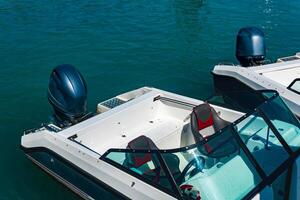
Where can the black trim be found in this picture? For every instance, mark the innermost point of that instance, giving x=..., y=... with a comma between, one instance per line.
x=169, y=176
x=72, y=138
x=76, y=168
x=290, y=86
x=163, y=150
x=288, y=182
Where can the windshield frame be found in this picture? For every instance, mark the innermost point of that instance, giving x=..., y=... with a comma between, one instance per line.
x=266, y=179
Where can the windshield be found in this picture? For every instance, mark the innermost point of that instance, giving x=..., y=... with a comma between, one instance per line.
x=228, y=165
x=211, y=168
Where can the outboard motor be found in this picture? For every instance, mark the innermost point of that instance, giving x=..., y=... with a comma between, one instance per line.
x=250, y=46
x=67, y=93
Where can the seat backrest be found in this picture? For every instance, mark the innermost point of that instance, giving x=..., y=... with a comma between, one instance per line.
x=205, y=121
x=140, y=143
x=138, y=159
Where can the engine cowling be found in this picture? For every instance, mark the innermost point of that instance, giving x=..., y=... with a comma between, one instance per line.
x=67, y=93
x=250, y=46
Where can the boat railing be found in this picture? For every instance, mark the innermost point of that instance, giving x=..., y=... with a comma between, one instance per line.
x=176, y=101
x=43, y=126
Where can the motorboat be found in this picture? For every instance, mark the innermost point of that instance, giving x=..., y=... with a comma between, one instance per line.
x=152, y=144
x=255, y=72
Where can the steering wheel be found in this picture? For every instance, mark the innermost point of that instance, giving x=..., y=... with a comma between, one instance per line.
x=198, y=162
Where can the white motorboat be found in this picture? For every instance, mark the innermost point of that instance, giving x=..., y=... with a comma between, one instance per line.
x=254, y=73
x=153, y=144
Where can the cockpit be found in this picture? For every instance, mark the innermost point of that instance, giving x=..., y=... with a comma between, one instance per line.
x=234, y=160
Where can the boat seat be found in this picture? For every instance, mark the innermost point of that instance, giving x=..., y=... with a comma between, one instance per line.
x=140, y=143
x=205, y=121
x=138, y=160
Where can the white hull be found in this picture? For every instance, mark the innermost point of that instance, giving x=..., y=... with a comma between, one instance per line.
x=76, y=152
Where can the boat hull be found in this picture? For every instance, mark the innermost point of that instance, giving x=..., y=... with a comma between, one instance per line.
x=81, y=183
x=226, y=83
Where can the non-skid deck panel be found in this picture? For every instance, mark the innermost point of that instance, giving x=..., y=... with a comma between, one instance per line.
x=112, y=103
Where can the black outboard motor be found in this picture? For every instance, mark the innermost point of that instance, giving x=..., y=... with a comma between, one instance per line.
x=250, y=46
x=67, y=93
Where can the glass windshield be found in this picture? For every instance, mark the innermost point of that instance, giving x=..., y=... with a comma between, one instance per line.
x=229, y=164
x=145, y=165
x=284, y=121
x=261, y=142
x=211, y=168
x=208, y=169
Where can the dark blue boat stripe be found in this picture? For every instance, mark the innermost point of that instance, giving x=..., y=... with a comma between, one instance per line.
x=79, y=172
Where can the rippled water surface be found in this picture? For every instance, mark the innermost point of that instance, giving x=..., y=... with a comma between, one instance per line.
x=118, y=45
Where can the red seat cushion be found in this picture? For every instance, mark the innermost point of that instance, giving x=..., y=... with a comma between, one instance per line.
x=202, y=124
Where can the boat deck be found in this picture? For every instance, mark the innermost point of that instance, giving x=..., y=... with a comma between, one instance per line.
x=282, y=73
x=162, y=121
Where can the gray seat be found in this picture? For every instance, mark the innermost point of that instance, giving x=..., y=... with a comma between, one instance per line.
x=205, y=121
x=140, y=143
x=136, y=160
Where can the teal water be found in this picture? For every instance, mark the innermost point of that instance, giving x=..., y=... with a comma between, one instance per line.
x=118, y=45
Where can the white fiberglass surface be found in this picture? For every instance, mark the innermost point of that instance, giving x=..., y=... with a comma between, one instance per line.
x=161, y=121
x=283, y=76
x=151, y=118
